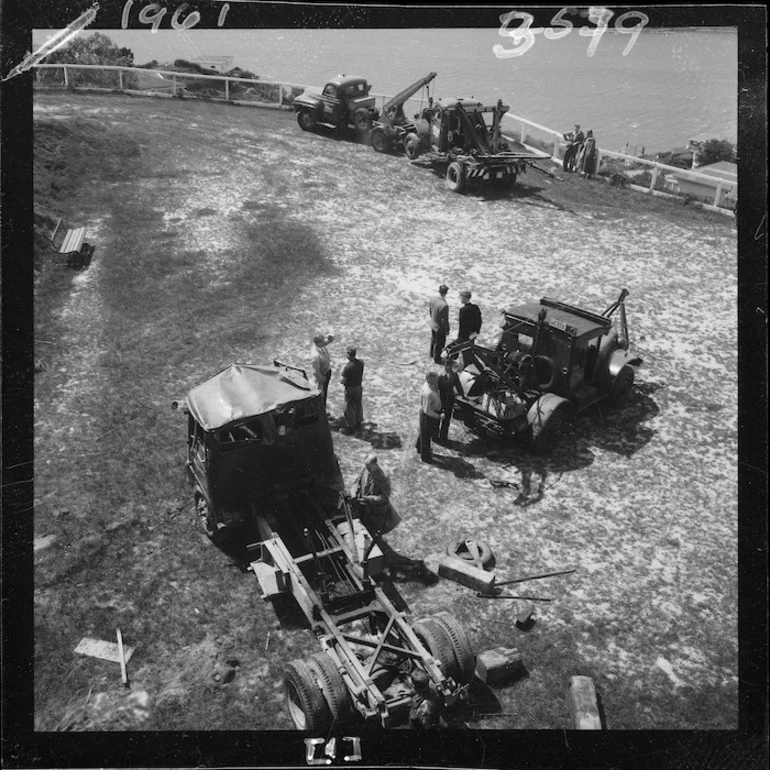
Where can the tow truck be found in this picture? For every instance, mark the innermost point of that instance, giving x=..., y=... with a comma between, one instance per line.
x=392, y=128
x=264, y=474
x=552, y=360
x=466, y=135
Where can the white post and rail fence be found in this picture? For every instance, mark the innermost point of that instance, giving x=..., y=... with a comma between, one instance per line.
x=642, y=174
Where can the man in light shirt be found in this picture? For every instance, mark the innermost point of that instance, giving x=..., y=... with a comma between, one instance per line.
x=430, y=415
x=322, y=367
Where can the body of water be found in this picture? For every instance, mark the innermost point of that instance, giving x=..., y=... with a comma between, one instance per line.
x=671, y=86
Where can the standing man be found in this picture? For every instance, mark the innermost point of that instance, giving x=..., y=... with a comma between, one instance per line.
x=430, y=415
x=439, y=323
x=575, y=140
x=322, y=367
x=352, y=375
x=469, y=319
x=586, y=162
x=371, y=496
x=448, y=385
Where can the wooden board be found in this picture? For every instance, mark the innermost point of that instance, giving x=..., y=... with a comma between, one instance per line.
x=466, y=574
x=96, y=648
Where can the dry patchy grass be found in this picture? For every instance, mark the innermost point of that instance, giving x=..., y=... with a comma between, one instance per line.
x=227, y=234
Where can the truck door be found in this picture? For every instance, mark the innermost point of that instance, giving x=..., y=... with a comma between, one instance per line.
x=331, y=104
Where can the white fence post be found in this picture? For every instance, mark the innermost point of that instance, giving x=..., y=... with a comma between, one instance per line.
x=174, y=84
x=120, y=79
x=66, y=77
x=718, y=194
x=654, y=179
x=227, y=89
x=280, y=95
x=555, y=146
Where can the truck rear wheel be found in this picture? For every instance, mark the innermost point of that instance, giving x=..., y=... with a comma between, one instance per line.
x=461, y=645
x=455, y=177
x=362, y=119
x=306, y=120
x=436, y=639
x=381, y=141
x=412, y=146
x=303, y=698
x=333, y=686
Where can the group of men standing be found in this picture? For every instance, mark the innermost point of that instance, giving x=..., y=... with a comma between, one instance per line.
x=437, y=395
x=580, y=154
x=352, y=378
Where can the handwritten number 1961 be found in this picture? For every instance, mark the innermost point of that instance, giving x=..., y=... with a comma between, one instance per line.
x=523, y=36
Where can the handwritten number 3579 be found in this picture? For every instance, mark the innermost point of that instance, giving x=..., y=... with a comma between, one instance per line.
x=523, y=36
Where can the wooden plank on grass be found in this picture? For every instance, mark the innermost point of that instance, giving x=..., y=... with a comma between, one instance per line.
x=584, y=704
x=96, y=648
x=466, y=574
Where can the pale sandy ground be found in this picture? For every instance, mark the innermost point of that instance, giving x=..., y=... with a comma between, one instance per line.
x=641, y=501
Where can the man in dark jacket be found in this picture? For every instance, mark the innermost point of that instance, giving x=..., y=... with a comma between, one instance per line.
x=469, y=319
x=352, y=376
x=439, y=323
x=575, y=141
x=448, y=386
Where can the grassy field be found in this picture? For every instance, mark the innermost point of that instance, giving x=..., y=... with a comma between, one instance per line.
x=226, y=234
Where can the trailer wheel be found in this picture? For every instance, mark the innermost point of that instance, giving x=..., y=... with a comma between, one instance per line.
x=306, y=120
x=461, y=644
x=332, y=684
x=622, y=385
x=412, y=146
x=304, y=699
x=547, y=431
x=436, y=639
x=459, y=549
x=362, y=119
x=214, y=530
x=381, y=141
x=455, y=177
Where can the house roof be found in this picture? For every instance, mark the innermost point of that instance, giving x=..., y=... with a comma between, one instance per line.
x=722, y=170
x=245, y=390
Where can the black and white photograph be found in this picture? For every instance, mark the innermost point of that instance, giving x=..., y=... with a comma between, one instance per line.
x=371, y=384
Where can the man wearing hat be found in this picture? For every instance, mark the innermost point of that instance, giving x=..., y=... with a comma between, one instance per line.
x=352, y=376
x=469, y=319
x=439, y=323
x=322, y=367
x=575, y=140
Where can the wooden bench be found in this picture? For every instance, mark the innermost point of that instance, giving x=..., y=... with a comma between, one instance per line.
x=71, y=246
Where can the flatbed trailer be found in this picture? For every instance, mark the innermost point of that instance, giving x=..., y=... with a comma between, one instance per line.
x=260, y=460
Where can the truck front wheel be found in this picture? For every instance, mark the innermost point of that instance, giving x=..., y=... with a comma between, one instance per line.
x=362, y=119
x=213, y=530
x=547, y=431
x=621, y=385
x=455, y=177
x=381, y=141
x=305, y=120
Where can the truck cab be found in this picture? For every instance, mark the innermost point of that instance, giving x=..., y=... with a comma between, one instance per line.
x=257, y=433
x=344, y=101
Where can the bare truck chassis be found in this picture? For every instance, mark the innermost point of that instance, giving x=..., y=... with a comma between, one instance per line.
x=261, y=462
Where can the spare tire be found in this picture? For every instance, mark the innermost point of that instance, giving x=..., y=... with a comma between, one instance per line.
x=459, y=549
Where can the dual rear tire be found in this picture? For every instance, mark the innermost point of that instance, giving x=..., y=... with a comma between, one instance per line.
x=315, y=694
